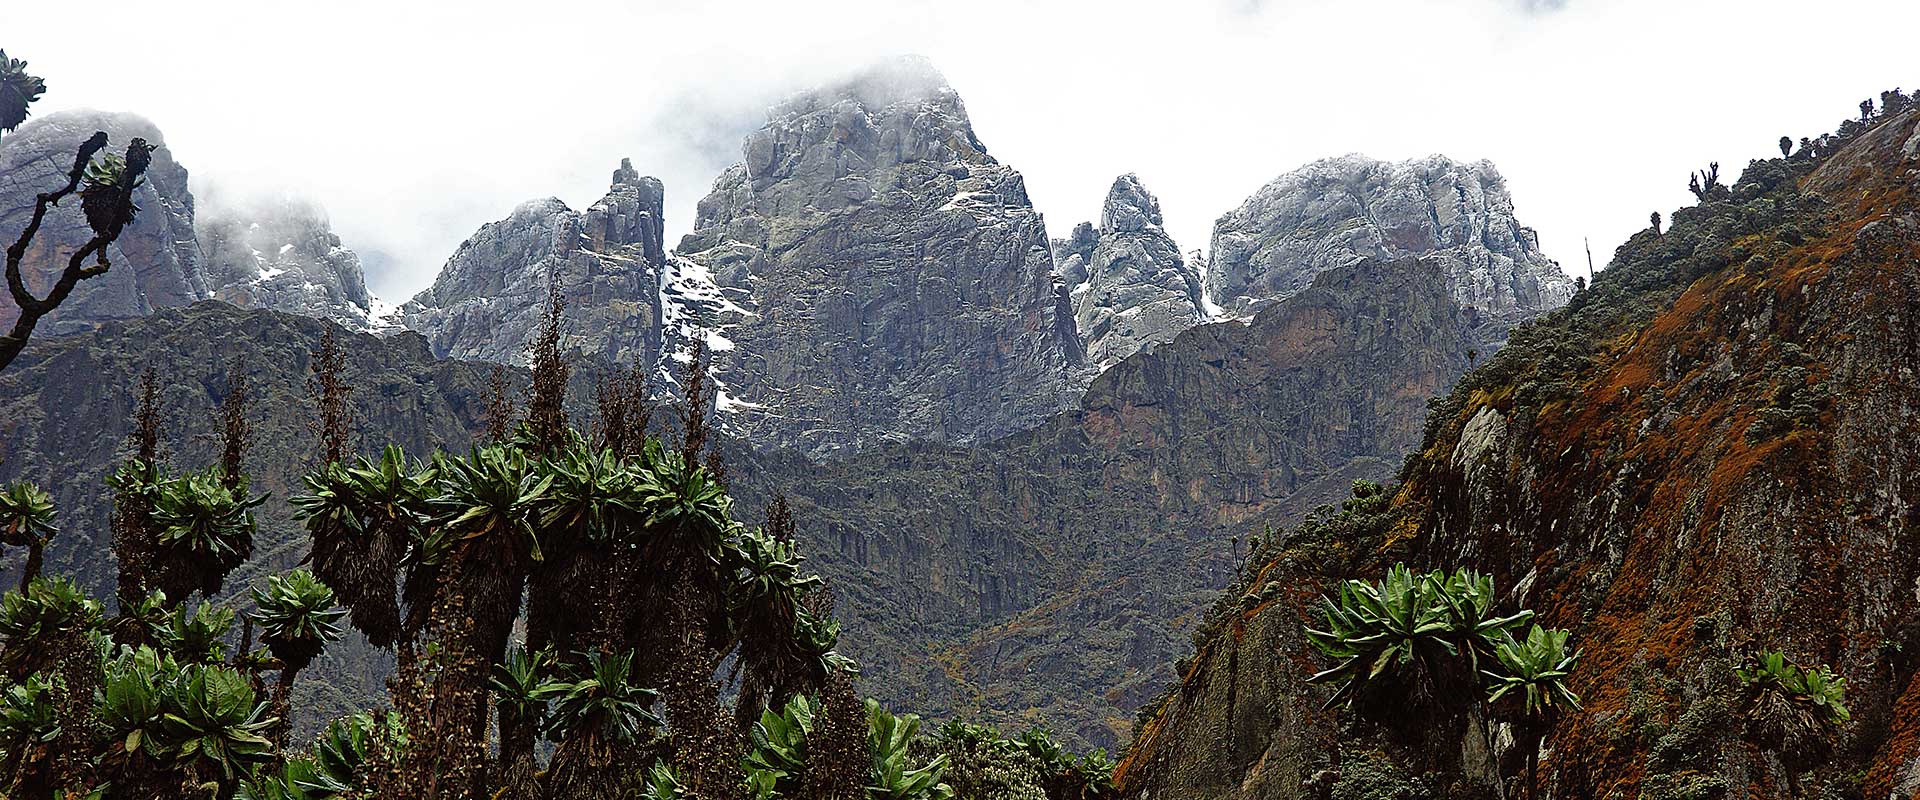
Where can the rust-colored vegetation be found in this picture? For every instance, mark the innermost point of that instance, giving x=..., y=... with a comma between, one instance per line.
x=1677, y=483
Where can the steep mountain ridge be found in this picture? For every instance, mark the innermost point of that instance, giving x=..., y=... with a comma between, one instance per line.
x=866, y=275
x=1702, y=457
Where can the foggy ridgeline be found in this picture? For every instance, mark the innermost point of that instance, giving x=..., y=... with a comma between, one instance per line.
x=1432, y=521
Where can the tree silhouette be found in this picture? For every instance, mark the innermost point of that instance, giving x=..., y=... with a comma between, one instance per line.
x=546, y=405
x=1704, y=182
x=17, y=91
x=106, y=197
x=328, y=387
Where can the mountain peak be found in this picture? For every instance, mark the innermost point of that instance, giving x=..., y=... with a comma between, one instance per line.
x=1128, y=288
x=850, y=205
x=1129, y=206
x=626, y=174
x=901, y=104
x=1336, y=210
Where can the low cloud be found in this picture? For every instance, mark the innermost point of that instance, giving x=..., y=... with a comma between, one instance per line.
x=1541, y=6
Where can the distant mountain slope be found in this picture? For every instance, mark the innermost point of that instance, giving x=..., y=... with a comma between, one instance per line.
x=1053, y=574
x=1705, y=455
x=66, y=407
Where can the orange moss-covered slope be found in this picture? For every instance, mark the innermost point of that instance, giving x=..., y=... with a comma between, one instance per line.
x=1714, y=450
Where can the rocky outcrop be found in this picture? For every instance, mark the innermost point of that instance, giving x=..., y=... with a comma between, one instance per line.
x=889, y=279
x=282, y=254
x=489, y=299
x=1337, y=210
x=1703, y=457
x=1130, y=288
x=156, y=262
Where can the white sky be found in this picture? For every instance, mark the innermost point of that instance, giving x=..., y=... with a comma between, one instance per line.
x=414, y=122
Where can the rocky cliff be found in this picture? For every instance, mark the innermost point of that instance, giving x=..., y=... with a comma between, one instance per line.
x=1129, y=286
x=1704, y=456
x=282, y=255
x=1337, y=210
x=489, y=298
x=887, y=278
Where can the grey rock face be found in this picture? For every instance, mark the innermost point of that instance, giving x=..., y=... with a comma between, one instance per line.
x=489, y=298
x=979, y=588
x=885, y=277
x=1130, y=289
x=156, y=262
x=284, y=255
x=1338, y=210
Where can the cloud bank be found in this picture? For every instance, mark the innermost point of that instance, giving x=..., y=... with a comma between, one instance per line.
x=414, y=123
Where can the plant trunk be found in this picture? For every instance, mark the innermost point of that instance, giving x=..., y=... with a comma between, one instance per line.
x=1533, y=772
x=282, y=706
x=32, y=570
x=706, y=750
x=586, y=767
x=516, y=765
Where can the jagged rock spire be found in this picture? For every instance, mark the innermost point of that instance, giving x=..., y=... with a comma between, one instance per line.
x=1130, y=288
x=487, y=300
